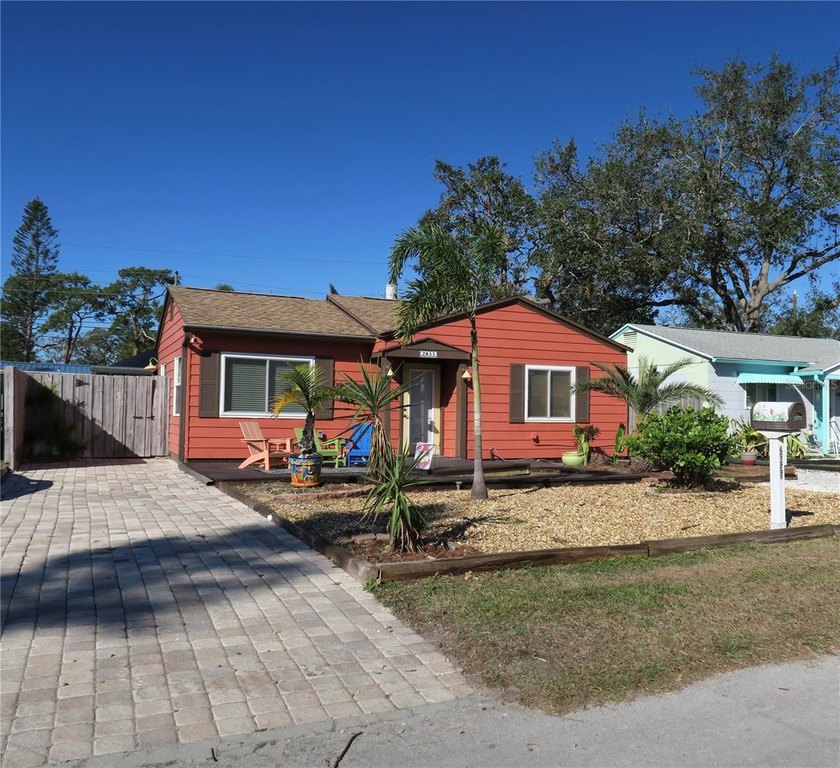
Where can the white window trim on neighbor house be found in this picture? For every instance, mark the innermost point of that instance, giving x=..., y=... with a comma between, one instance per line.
x=224, y=413
x=550, y=369
x=176, y=386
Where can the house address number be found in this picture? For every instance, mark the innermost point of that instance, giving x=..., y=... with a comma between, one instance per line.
x=428, y=353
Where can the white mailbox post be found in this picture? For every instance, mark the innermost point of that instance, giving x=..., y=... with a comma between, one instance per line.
x=777, y=449
x=776, y=421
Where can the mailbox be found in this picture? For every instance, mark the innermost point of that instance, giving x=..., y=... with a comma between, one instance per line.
x=778, y=417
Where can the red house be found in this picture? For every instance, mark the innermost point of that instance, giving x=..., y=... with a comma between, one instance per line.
x=221, y=351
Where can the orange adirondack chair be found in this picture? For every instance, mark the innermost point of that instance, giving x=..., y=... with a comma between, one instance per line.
x=264, y=449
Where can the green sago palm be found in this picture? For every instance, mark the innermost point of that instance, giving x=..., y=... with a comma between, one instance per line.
x=308, y=389
x=647, y=389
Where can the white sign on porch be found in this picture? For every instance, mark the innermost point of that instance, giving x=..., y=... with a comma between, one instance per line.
x=425, y=452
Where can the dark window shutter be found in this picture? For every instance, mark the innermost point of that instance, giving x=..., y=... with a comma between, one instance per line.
x=326, y=366
x=517, y=393
x=581, y=396
x=208, y=391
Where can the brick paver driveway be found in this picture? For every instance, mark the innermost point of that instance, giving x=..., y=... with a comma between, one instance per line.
x=141, y=608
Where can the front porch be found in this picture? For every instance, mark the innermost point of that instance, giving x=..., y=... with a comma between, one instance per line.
x=444, y=471
x=497, y=472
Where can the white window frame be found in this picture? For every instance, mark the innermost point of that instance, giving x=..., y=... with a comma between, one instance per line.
x=176, y=385
x=756, y=385
x=570, y=369
x=267, y=358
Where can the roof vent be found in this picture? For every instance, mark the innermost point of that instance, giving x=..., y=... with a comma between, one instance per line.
x=630, y=339
x=391, y=292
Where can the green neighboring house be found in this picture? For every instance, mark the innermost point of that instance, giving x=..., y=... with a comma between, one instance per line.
x=745, y=368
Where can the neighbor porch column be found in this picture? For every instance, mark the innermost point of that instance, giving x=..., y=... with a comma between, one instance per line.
x=825, y=427
x=826, y=410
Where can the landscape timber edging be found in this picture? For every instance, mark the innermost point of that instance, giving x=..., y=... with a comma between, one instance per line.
x=659, y=547
x=364, y=571
x=653, y=548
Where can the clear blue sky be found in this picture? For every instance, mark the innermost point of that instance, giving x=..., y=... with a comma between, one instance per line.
x=282, y=146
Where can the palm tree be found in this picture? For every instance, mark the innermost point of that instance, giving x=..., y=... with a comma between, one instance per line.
x=647, y=390
x=454, y=275
x=308, y=389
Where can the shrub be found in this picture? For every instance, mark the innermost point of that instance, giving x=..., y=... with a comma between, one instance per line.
x=691, y=444
x=373, y=397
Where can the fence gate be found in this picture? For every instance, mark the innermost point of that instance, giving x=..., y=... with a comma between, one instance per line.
x=90, y=416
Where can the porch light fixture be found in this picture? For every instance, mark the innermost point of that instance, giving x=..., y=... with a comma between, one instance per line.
x=151, y=365
x=390, y=372
x=466, y=375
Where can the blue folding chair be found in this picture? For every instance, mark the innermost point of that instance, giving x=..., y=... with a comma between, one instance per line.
x=358, y=451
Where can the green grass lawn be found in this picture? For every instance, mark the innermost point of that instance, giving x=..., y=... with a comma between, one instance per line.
x=565, y=637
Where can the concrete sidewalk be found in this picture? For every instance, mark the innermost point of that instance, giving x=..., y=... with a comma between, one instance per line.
x=767, y=717
x=141, y=608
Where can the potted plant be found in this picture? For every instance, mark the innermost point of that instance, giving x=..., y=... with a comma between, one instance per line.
x=584, y=435
x=750, y=440
x=307, y=389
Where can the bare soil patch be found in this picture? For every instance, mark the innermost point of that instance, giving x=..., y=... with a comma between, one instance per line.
x=564, y=516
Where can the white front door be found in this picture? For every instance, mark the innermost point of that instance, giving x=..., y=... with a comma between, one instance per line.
x=421, y=417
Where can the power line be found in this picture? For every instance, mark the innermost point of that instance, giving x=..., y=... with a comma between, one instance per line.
x=218, y=255
x=60, y=291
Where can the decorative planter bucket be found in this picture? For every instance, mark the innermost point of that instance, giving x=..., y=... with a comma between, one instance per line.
x=572, y=459
x=748, y=458
x=306, y=470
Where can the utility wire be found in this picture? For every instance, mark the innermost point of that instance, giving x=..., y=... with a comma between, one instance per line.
x=216, y=255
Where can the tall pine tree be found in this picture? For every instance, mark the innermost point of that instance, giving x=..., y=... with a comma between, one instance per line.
x=26, y=296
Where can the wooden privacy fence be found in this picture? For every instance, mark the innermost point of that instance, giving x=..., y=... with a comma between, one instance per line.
x=49, y=415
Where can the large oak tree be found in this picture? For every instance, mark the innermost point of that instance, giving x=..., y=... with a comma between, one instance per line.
x=711, y=214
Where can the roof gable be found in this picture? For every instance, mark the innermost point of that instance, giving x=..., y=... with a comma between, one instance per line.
x=534, y=306
x=424, y=348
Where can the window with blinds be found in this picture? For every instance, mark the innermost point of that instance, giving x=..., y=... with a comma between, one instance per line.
x=251, y=384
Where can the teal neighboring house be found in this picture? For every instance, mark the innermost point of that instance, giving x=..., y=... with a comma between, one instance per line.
x=745, y=368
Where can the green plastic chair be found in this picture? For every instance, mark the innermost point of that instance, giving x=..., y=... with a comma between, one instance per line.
x=332, y=450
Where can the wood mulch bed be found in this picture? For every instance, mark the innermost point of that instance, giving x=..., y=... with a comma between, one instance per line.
x=568, y=516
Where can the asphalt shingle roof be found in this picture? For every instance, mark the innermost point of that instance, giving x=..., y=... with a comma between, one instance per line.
x=263, y=312
x=379, y=314
x=818, y=353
